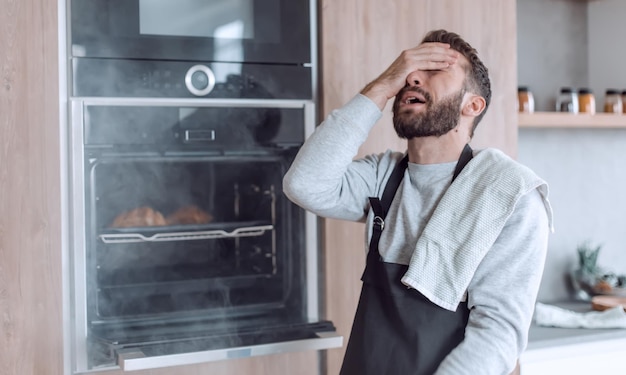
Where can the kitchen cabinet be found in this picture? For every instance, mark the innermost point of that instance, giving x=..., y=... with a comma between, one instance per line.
x=31, y=257
x=602, y=357
x=574, y=351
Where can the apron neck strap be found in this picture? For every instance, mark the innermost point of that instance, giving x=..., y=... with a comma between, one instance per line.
x=466, y=155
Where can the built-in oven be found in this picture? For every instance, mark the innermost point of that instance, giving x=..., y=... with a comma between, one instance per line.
x=267, y=31
x=184, y=247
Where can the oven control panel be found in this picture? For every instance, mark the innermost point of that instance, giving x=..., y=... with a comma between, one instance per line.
x=169, y=128
x=95, y=77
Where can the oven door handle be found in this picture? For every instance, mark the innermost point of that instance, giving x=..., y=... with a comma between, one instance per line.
x=133, y=359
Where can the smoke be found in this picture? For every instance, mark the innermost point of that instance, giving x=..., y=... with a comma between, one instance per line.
x=173, y=288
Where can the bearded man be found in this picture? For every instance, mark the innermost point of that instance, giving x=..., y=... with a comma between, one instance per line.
x=457, y=238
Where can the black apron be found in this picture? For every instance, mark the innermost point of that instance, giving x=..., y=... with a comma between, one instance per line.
x=396, y=330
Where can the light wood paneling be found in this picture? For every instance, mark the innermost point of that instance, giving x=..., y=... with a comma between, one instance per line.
x=359, y=39
x=30, y=213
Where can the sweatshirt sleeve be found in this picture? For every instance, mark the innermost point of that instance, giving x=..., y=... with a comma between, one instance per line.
x=323, y=178
x=502, y=295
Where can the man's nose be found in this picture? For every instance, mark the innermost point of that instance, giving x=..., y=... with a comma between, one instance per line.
x=415, y=79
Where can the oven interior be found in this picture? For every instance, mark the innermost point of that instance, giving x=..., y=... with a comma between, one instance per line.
x=225, y=260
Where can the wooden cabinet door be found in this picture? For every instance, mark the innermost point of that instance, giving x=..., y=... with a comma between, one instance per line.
x=31, y=335
x=359, y=39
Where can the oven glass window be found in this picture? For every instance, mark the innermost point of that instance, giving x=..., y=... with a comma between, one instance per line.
x=179, y=235
x=218, y=19
x=254, y=31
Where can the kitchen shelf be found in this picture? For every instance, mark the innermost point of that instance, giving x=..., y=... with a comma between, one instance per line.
x=570, y=120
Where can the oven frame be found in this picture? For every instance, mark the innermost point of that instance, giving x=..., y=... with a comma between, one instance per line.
x=78, y=241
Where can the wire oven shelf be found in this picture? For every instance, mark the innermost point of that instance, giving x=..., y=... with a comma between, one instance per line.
x=162, y=234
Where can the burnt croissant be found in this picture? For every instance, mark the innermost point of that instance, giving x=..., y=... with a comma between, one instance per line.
x=189, y=215
x=139, y=217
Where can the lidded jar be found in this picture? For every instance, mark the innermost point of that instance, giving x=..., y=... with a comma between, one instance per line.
x=613, y=102
x=586, y=101
x=525, y=100
x=567, y=100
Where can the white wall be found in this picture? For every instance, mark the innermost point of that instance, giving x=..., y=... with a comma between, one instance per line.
x=585, y=168
x=571, y=43
x=607, y=48
x=586, y=172
x=551, y=48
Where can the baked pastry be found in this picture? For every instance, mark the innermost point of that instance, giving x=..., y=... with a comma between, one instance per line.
x=139, y=217
x=189, y=215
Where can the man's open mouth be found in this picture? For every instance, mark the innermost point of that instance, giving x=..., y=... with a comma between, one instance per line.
x=414, y=100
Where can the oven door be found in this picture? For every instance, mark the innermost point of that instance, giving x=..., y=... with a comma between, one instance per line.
x=236, y=276
x=255, y=31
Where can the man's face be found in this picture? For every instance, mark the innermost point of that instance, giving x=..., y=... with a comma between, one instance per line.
x=430, y=104
x=436, y=119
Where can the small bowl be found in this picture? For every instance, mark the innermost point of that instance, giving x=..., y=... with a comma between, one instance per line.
x=605, y=289
x=587, y=286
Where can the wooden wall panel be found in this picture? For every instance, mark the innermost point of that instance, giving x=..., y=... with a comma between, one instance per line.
x=30, y=212
x=359, y=39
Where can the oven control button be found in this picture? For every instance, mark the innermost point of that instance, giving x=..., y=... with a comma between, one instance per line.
x=200, y=80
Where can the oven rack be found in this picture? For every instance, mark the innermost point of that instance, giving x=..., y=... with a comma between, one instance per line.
x=248, y=231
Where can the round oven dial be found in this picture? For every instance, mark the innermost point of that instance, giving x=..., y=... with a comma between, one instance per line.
x=200, y=80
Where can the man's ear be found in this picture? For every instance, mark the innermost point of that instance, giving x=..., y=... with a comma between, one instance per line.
x=474, y=106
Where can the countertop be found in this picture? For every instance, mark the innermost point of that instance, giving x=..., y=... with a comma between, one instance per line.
x=551, y=343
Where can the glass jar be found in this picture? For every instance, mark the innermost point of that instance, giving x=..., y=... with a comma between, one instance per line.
x=525, y=100
x=624, y=101
x=613, y=102
x=586, y=101
x=567, y=100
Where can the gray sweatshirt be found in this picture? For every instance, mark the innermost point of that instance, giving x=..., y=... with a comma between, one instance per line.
x=326, y=180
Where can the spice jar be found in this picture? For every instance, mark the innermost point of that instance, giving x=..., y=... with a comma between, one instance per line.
x=586, y=101
x=525, y=99
x=567, y=100
x=613, y=102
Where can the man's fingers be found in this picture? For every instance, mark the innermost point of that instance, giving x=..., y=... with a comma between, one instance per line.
x=435, y=65
x=427, y=56
x=448, y=56
x=431, y=52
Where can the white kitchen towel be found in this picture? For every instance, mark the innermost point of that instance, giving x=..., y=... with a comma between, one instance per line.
x=466, y=223
x=554, y=316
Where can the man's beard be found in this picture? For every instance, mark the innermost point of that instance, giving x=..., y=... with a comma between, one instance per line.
x=438, y=118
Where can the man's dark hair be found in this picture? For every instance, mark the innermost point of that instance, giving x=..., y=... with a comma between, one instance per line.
x=477, y=80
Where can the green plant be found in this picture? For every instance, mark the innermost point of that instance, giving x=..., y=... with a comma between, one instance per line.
x=588, y=258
